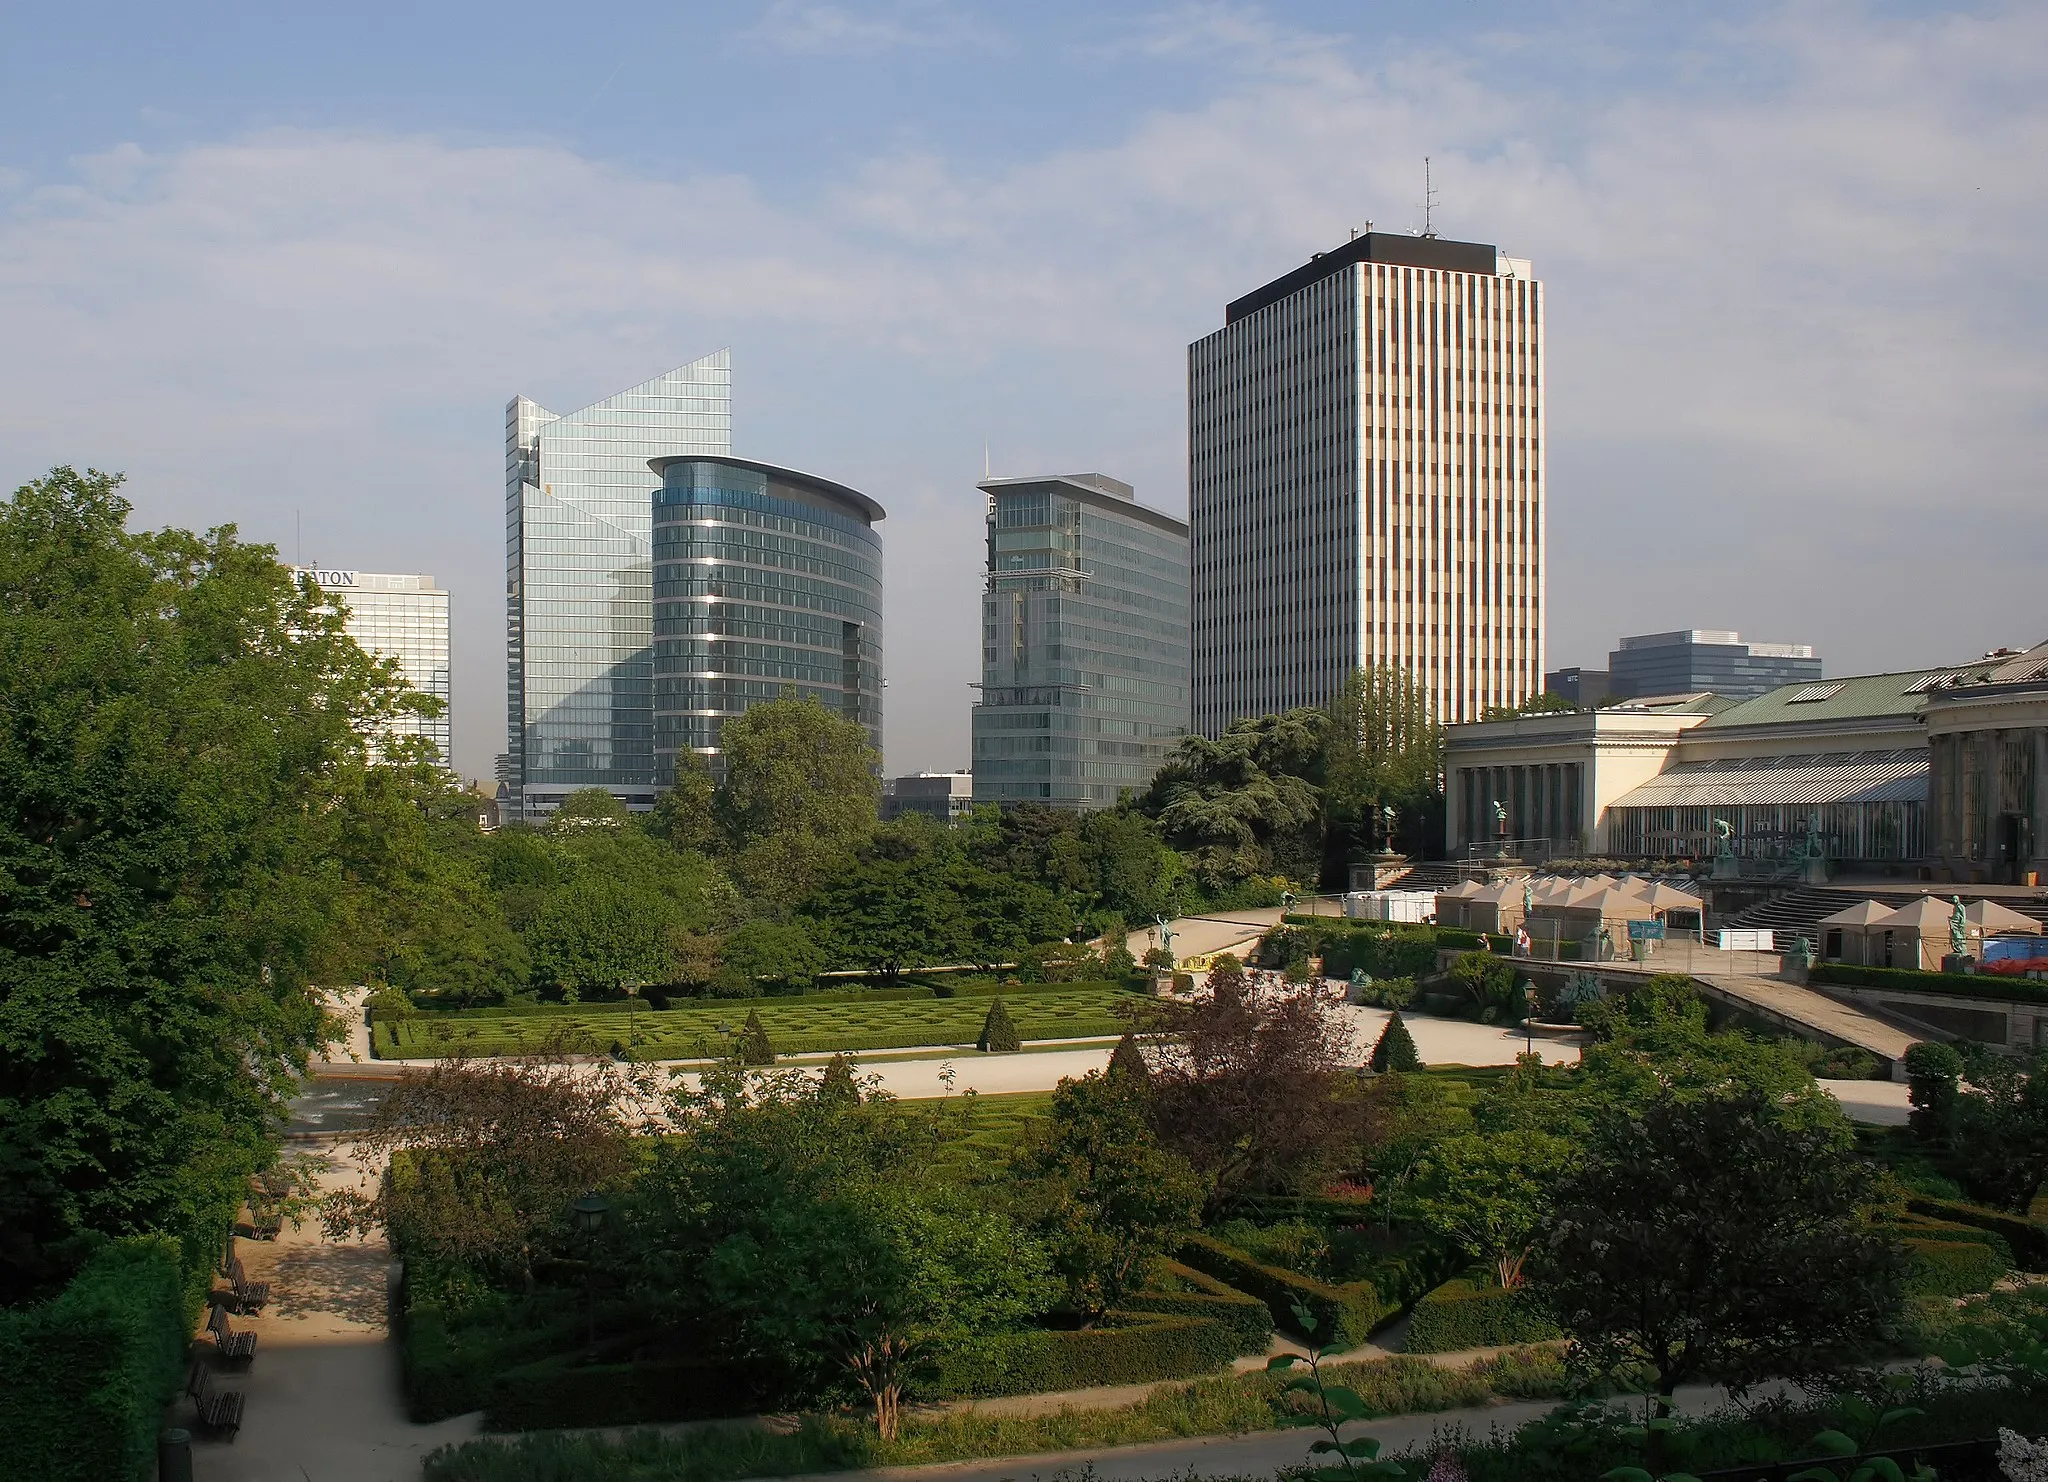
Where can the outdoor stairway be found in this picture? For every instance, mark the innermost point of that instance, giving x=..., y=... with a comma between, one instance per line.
x=1798, y=912
x=1435, y=875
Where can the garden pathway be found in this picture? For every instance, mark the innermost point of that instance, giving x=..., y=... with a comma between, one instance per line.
x=322, y=1398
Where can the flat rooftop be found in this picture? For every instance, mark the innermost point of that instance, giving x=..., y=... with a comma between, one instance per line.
x=1386, y=247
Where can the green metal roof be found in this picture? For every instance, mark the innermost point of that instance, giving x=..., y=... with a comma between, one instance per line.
x=1865, y=697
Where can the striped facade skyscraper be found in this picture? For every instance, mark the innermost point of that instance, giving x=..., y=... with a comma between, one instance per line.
x=1366, y=481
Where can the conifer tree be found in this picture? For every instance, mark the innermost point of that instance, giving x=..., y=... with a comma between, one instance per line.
x=755, y=1048
x=1127, y=1060
x=1395, y=1048
x=838, y=1084
x=998, y=1034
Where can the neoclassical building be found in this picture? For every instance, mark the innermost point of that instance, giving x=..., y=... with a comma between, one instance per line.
x=1930, y=772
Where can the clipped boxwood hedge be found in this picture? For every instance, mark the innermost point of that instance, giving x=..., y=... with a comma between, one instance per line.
x=1460, y=1315
x=2027, y=1241
x=84, y=1377
x=1918, y=1227
x=1124, y=1348
x=1912, y=980
x=1343, y=1314
x=1247, y=1318
x=1952, y=1268
x=562, y=1393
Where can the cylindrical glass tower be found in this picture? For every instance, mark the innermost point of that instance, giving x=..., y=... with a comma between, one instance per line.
x=765, y=580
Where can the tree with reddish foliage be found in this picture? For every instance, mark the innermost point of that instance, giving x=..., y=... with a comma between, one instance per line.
x=1244, y=1080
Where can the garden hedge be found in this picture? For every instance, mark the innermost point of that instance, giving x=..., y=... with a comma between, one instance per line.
x=1343, y=1314
x=1246, y=1316
x=2027, y=1241
x=84, y=1377
x=1918, y=1227
x=560, y=1393
x=1952, y=1268
x=1460, y=1315
x=1910, y=980
x=1124, y=1348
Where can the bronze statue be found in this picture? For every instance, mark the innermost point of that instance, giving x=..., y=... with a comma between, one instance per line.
x=1958, y=929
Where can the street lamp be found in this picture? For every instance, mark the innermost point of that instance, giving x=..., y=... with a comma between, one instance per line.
x=1532, y=999
x=589, y=1214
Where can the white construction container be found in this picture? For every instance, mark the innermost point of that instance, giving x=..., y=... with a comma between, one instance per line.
x=1748, y=941
x=1390, y=905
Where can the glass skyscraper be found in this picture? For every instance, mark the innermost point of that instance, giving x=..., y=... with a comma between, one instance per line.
x=402, y=617
x=765, y=580
x=1084, y=673
x=578, y=573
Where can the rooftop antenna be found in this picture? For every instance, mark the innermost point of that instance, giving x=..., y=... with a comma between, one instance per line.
x=984, y=459
x=1428, y=201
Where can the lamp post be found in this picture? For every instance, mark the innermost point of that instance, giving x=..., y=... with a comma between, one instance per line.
x=1531, y=998
x=589, y=1213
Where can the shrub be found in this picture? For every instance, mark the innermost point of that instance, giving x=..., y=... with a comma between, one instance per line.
x=560, y=1393
x=388, y=1003
x=1125, y=1348
x=1202, y=1295
x=1910, y=980
x=1952, y=1268
x=1343, y=1314
x=1395, y=1048
x=1933, y=1070
x=2027, y=1241
x=84, y=1377
x=754, y=1045
x=1460, y=1315
x=998, y=1034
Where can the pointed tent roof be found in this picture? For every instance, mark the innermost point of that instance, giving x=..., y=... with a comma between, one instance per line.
x=1667, y=897
x=1463, y=890
x=1926, y=916
x=1620, y=905
x=1863, y=913
x=1990, y=916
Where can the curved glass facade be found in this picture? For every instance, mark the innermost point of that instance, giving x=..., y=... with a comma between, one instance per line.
x=764, y=580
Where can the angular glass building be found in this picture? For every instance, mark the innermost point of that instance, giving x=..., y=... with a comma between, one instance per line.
x=765, y=580
x=1084, y=674
x=578, y=572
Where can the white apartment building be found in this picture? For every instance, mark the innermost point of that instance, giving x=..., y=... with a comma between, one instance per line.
x=402, y=617
x=1366, y=481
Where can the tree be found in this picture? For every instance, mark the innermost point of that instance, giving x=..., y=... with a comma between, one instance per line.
x=497, y=1150
x=837, y=1085
x=1719, y=1237
x=800, y=789
x=1395, y=1048
x=1543, y=704
x=599, y=935
x=1128, y=1060
x=823, y=1245
x=1934, y=1073
x=1401, y=1118
x=754, y=1047
x=1383, y=749
x=1110, y=1198
x=2002, y=1128
x=779, y=954
x=1243, y=1082
x=588, y=807
x=184, y=750
x=686, y=814
x=1247, y=803
x=1489, y=1195
x=998, y=1034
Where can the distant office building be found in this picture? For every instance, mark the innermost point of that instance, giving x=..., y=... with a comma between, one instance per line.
x=578, y=574
x=1084, y=639
x=765, y=581
x=1697, y=659
x=944, y=796
x=1585, y=688
x=402, y=617
x=1366, y=481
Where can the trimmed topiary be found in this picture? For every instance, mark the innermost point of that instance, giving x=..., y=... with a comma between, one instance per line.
x=838, y=1084
x=754, y=1045
x=998, y=1034
x=1395, y=1048
x=1127, y=1060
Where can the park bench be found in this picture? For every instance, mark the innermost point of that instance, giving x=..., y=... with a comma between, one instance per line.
x=234, y=1347
x=249, y=1295
x=265, y=1222
x=219, y=1410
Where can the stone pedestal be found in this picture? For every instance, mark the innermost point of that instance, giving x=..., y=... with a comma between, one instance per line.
x=1966, y=966
x=1378, y=871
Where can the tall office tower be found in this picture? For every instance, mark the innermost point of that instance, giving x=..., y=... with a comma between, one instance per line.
x=403, y=618
x=1694, y=659
x=1365, y=481
x=765, y=581
x=1084, y=642
x=579, y=502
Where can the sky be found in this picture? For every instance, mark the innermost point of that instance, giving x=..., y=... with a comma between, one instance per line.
x=284, y=266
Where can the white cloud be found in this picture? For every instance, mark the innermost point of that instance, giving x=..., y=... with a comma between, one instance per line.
x=1796, y=347
x=839, y=30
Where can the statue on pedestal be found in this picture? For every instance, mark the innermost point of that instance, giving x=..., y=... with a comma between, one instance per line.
x=1958, y=930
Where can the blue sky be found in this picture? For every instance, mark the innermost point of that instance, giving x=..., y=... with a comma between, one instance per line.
x=280, y=262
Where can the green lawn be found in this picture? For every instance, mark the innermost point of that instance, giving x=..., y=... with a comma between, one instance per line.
x=794, y=1026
